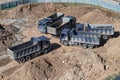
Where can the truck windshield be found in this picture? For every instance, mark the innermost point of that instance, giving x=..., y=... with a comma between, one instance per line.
x=41, y=24
x=46, y=43
x=62, y=35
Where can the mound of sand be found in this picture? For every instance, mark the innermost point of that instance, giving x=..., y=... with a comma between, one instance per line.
x=74, y=65
x=7, y=37
x=96, y=16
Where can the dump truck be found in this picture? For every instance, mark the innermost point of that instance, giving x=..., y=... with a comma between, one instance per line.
x=68, y=37
x=67, y=22
x=27, y=50
x=42, y=24
x=105, y=30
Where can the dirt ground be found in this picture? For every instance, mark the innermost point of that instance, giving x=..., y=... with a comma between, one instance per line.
x=7, y=37
x=64, y=62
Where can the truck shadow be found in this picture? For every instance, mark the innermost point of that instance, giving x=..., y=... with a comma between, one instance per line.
x=54, y=46
x=116, y=34
x=102, y=42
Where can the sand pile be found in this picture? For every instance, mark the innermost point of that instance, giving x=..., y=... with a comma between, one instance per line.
x=7, y=37
x=80, y=64
x=33, y=11
x=39, y=69
x=96, y=16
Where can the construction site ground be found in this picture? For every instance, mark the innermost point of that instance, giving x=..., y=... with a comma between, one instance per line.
x=19, y=24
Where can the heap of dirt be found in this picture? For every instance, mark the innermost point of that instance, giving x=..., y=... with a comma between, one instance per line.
x=68, y=63
x=93, y=17
x=76, y=65
x=7, y=37
x=39, y=10
x=32, y=11
x=39, y=69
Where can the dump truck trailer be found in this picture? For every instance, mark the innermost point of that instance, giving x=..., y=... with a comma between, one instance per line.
x=68, y=37
x=105, y=30
x=28, y=50
x=87, y=34
x=67, y=22
x=42, y=24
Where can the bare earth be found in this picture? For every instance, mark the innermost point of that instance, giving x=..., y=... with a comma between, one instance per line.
x=64, y=62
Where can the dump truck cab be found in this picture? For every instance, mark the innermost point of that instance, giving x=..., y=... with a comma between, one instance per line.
x=72, y=20
x=79, y=27
x=82, y=27
x=42, y=24
x=64, y=36
x=42, y=41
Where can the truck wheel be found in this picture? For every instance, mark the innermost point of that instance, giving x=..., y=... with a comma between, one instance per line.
x=65, y=43
x=33, y=55
x=105, y=37
x=22, y=60
x=28, y=58
x=45, y=51
x=90, y=46
x=84, y=46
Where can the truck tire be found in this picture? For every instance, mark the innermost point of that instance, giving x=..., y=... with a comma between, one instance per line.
x=65, y=43
x=71, y=44
x=84, y=46
x=28, y=58
x=90, y=46
x=46, y=51
x=22, y=60
x=105, y=37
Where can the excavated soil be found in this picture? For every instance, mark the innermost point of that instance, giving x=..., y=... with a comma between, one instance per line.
x=65, y=62
x=7, y=37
